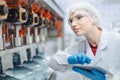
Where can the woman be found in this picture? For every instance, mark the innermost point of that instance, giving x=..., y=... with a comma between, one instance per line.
x=99, y=48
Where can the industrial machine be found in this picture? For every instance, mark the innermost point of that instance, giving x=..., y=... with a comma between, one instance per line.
x=23, y=32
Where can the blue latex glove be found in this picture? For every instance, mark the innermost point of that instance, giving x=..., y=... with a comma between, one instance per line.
x=79, y=59
x=91, y=74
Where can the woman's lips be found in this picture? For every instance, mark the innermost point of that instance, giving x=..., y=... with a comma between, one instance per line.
x=76, y=30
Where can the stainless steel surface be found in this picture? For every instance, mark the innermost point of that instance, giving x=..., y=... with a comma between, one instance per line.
x=36, y=69
x=7, y=61
x=23, y=56
x=17, y=38
x=4, y=47
x=12, y=41
x=28, y=36
x=7, y=55
x=1, y=40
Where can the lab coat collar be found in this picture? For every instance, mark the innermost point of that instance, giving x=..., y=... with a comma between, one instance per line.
x=101, y=46
x=103, y=41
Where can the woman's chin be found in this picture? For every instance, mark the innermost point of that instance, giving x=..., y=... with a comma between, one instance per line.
x=79, y=33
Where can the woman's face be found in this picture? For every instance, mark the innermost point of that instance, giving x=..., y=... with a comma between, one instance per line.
x=80, y=23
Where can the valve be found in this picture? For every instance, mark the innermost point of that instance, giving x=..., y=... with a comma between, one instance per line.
x=19, y=16
x=16, y=3
x=36, y=7
x=30, y=20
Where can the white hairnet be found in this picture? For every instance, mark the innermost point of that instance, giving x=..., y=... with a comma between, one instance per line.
x=88, y=9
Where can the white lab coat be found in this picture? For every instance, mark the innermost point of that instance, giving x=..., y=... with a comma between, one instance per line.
x=107, y=54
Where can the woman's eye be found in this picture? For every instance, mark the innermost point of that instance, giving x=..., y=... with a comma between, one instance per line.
x=70, y=21
x=79, y=17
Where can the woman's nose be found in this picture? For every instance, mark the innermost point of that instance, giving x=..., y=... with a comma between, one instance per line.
x=73, y=24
